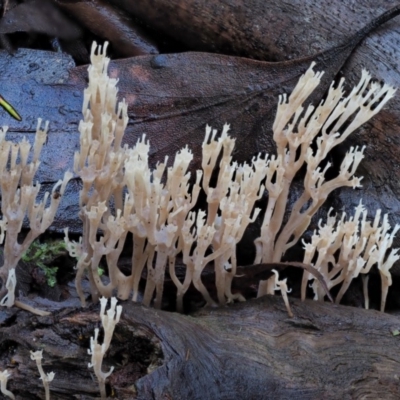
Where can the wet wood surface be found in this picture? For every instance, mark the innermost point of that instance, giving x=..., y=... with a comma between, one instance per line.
x=246, y=351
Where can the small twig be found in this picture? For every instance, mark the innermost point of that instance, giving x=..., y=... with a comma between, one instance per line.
x=31, y=309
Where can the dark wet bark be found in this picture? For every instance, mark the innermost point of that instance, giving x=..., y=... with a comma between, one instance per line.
x=246, y=351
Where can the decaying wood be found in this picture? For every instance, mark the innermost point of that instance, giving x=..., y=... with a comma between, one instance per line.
x=250, y=350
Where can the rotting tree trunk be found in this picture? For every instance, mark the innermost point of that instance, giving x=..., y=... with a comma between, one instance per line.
x=250, y=350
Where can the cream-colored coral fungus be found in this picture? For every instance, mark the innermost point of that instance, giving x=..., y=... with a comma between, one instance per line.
x=295, y=130
x=19, y=163
x=4, y=375
x=343, y=249
x=118, y=178
x=109, y=319
x=123, y=194
x=46, y=378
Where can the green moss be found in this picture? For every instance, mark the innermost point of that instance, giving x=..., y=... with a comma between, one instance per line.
x=42, y=255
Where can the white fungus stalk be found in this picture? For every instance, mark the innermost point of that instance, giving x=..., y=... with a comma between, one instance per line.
x=4, y=375
x=46, y=378
x=109, y=319
x=282, y=286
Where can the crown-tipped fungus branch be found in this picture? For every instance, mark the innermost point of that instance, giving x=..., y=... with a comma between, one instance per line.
x=341, y=250
x=282, y=286
x=46, y=378
x=108, y=319
x=295, y=129
x=18, y=200
x=316, y=189
x=4, y=375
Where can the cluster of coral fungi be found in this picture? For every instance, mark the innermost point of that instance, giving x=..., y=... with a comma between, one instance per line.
x=121, y=194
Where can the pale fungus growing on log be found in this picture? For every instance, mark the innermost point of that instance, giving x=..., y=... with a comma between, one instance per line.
x=19, y=163
x=122, y=194
x=4, y=375
x=123, y=197
x=109, y=319
x=46, y=378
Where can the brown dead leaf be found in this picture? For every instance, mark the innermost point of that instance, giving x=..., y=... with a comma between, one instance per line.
x=171, y=98
x=39, y=16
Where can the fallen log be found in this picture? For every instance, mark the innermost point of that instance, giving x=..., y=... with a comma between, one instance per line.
x=250, y=350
